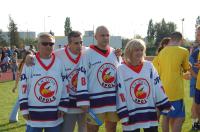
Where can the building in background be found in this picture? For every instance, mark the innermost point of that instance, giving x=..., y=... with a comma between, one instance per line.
x=60, y=41
x=22, y=35
x=88, y=38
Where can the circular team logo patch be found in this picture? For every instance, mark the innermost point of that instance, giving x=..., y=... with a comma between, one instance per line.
x=46, y=89
x=140, y=90
x=107, y=75
x=73, y=78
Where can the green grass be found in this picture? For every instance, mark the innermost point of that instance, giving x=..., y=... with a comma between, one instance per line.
x=7, y=100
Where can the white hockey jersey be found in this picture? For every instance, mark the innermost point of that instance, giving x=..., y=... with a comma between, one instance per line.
x=97, y=80
x=71, y=70
x=139, y=93
x=42, y=93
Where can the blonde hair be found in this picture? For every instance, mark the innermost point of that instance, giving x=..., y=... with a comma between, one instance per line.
x=131, y=45
x=45, y=34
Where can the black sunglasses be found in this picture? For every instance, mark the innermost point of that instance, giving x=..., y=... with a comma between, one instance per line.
x=81, y=42
x=47, y=43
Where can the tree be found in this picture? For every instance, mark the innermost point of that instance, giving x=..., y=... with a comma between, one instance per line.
x=163, y=29
x=29, y=41
x=2, y=40
x=197, y=21
x=150, y=33
x=156, y=32
x=137, y=36
x=67, y=26
x=13, y=35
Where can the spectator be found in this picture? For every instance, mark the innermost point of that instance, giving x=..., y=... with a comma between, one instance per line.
x=32, y=49
x=14, y=49
x=5, y=63
x=22, y=52
x=13, y=64
x=14, y=114
x=8, y=50
x=1, y=53
x=193, y=60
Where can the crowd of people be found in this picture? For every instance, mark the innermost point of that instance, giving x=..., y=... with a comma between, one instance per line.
x=9, y=58
x=59, y=89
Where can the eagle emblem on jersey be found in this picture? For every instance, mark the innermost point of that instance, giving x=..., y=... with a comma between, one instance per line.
x=140, y=90
x=45, y=89
x=73, y=79
x=107, y=75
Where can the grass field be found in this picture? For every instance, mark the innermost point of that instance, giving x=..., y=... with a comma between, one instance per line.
x=7, y=100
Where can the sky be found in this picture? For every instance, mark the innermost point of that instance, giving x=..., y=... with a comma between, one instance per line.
x=124, y=18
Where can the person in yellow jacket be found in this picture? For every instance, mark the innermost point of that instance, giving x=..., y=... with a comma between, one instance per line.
x=173, y=61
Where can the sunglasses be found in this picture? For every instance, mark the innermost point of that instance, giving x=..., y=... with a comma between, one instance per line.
x=47, y=43
x=105, y=35
x=81, y=42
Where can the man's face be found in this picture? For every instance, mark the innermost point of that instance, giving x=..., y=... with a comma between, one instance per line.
x=102, y=37
x=75, y=45
x=45, y=45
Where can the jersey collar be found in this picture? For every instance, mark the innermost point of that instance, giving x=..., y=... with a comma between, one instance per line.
x=100, y=52
x=75, y=61
x=136, y=69
x=42, y=64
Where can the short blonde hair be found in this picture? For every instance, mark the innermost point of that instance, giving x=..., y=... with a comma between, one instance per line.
x=131, y=45
x=45, y=34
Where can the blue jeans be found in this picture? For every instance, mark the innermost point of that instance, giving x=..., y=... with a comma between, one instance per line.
x=46, y=129
x=14, y=113
x=14, y=71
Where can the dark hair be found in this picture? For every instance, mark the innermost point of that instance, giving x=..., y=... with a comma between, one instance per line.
x=31, y=46
x=163, y=43
x=176, y=36
x=73, y=34
x=28, y=52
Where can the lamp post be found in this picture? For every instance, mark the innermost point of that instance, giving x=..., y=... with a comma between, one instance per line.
x=45, y=22
x=182, y=20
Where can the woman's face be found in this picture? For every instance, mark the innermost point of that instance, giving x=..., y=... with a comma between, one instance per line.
x=137, y=54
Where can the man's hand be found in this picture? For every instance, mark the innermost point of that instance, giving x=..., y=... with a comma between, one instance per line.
x=85, y=108
x=60, y=114
x=187, y=76
x=29, y=60
x=118, y=52
x=26, y=117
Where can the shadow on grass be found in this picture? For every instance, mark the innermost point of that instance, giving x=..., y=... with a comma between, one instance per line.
x=2, y=125
x=193, y=131
x=7, y=129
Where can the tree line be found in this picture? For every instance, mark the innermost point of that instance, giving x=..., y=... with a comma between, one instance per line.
x=15, y=40
x=155, y=33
